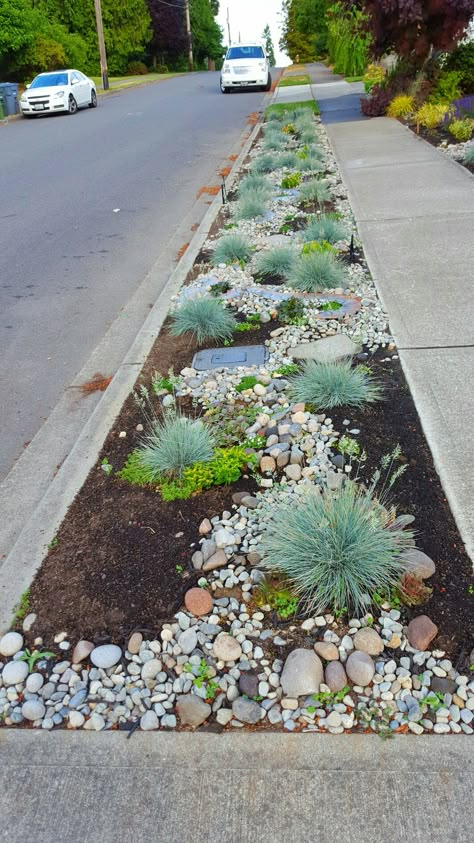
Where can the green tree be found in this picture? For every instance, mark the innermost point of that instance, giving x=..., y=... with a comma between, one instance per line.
x=269, y=49
x=304, y=31
x=17, y=31
x=207, y=34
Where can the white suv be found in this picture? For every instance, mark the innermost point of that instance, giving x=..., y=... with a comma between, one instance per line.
x=245, y=66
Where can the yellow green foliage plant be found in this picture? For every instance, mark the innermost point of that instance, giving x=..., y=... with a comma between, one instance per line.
x=461, y=130
x=401, y=106
x=431, y=115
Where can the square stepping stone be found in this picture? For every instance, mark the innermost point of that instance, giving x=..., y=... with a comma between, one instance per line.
x=326, y=350
x=217, y=358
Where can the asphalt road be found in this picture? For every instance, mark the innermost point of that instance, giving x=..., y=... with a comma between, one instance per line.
x=69, y=261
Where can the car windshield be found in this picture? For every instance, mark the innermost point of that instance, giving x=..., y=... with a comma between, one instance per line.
x=49, y=80
x=245, y=53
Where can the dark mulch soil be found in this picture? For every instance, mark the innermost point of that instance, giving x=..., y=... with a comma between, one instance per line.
x=418, y=492
x=436, y=137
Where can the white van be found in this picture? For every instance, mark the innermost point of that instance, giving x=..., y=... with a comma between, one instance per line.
x=245, y=66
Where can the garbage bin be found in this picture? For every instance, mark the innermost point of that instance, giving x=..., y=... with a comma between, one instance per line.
x=2, y=113
x=9, y=94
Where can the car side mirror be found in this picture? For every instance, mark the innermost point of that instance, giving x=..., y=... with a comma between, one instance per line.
x=28, y=85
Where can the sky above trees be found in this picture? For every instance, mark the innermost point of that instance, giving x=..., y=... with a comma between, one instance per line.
x=249, y=17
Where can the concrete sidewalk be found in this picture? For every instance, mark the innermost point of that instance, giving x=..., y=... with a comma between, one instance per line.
x=67, y=787
x=414, y=208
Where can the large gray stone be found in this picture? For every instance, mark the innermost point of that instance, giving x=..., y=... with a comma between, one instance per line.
x=360, y=668
x=418, y=563
x=335, y=676
x=247, y=711
x=33, y=710
x=14, y=672
x=192, y=710
x=326, y=350
x=302, y=673
x=105, y=656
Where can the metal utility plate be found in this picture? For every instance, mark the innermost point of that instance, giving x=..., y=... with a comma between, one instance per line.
x=218, y=358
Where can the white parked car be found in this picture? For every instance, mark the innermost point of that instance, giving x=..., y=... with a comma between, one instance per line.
x=245, y=66
x=59, y=90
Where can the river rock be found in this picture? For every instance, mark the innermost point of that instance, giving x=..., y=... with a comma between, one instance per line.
x=33, y=710
x=105, y=656
x=11, y=643
x=188, y=640
x=34, y=682
x=14, y=673
x=335, y=676
x=149, y=721
x=81, y=651
x=421, y=631
x=192, y=710
x=360, y=668
x=134, y=643
x=302, y=673
x=151, y=669
x=217, y=560
x=248, y=684
x=368, y=641
x=418, y=563
x=198, y=601
x=247, y=711
x=226, y=648
x=326, y=650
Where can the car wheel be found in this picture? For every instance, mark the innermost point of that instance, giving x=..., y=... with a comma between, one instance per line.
x=93, y=102
x=72, y=107
x=224, y=89
x=269, y=84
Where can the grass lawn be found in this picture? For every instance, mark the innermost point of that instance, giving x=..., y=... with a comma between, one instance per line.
x=300, y=79
x=281, y=107
x=118, y=83
x=353, y=78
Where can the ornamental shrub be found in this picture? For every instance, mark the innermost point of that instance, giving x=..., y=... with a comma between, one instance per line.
x=461, y=130
x=174, y=443
x=318, y=271
x=279, y=261
x=469, y=154
x=325, y=227
x=230, y=249
x=251, y=204
x=316, y=192
x=374, y=75
x=400, y=106
x=137, y=68
x=431, y=115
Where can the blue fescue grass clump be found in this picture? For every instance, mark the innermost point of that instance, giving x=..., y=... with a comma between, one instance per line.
x=289, y=160
x=251, y=204
x=315, y=191
x=469, y=154
x=325, y=227
x=307, y=135
x=336, y=549
x=318, y=271
x=311, y=163
x=265, y=163
x=174, y=443
x=274, y=141
x=335, y=384
x=255, y=181
x=205, y=317
x=230, y=249
x=278, y=261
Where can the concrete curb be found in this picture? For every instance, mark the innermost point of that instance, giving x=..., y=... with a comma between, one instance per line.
x=31, y=546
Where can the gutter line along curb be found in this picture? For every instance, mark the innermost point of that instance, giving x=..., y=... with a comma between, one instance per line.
x=28, y=552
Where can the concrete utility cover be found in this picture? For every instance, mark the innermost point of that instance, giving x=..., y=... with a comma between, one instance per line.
x=216, y=358
x=326, y=350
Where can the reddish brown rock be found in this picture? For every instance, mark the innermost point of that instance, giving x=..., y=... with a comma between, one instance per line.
x=326, y=650
x=217, y=560
x=198, y=601
x=82, y=650
x=421, y=631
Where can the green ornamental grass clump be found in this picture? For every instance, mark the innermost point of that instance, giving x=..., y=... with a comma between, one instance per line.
x=231, y=249
x=316, y=192
x=318, y=271
x=251, y=204
x=288, y=160
x=174, y=443
x=273, y=141
x=279, y=261
x=335, y=384
x=325, y=227
x=205, y=317
x=307, y=135
x=311, y=163
x=336, y=549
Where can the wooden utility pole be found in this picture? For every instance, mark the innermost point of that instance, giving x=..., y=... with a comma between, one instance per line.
x=189, y=36
x=103, y=54
x=228, y=26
